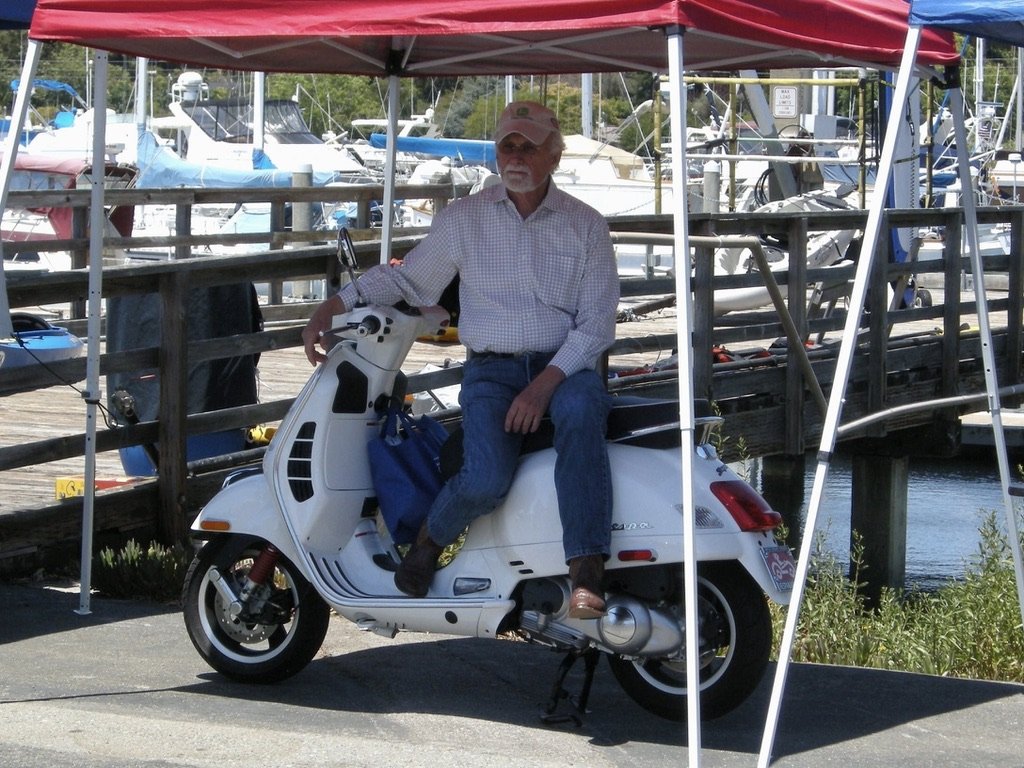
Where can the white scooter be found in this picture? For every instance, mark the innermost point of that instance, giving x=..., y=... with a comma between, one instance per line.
x=289, y=541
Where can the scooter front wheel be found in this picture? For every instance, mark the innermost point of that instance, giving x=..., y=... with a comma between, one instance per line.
x=735, y=630
x=274, y=636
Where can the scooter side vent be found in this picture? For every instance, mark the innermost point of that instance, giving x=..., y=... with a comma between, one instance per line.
x=300, y=463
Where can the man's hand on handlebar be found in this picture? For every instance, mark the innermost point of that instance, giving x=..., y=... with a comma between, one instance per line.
x=316, y=329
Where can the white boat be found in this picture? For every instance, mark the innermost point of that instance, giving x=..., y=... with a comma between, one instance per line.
x=221, y=132
x=824, y=249
x=366, y=142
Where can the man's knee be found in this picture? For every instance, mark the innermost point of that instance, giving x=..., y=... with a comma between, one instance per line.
x=581, y=397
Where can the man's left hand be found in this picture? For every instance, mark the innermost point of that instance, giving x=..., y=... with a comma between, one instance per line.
x=531, y=404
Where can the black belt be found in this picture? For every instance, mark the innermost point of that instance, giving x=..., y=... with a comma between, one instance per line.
x=474, y=355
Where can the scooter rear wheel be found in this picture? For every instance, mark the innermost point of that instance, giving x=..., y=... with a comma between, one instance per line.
x=735, y=629
x=271, y=645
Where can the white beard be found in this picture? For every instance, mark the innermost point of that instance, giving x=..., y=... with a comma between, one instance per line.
x=520, y=179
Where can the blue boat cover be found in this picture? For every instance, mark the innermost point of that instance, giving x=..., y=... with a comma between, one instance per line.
x=473, y=151
x=160, y=167
x=48, y=85
x=1001, y=20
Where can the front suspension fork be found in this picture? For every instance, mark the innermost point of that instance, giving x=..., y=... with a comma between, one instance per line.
x=262, y=569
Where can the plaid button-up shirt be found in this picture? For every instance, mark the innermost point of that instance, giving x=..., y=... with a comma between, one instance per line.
x=547, y=283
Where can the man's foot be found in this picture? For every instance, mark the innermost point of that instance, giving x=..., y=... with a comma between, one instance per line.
x=584, y=604
x=416, y=571
x=587, y=601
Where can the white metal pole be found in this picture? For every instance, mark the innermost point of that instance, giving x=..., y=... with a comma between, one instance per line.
x=91, y=394
x=844, y=363
x=28, y=74
x=587, y=105
x=979, y=89
x=259, y=111
x=390, y=151
x=141, y=90
x=684, y=324
x=985, y=331
x=1020, y=99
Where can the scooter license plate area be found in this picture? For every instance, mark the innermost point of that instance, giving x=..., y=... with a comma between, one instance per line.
x=781, y=567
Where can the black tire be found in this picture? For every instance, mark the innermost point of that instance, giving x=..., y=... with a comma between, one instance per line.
x=265, y=648
x=924, y=297
x=736, y=636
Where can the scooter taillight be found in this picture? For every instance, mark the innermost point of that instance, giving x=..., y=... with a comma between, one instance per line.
x=746, y=506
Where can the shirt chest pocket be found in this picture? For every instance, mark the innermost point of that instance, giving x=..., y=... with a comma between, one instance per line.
x=557, y=279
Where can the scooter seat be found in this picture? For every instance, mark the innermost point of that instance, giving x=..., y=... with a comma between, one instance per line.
x=641, y=421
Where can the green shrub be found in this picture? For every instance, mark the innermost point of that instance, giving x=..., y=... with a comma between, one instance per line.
x=970, y=627
x=155, y=573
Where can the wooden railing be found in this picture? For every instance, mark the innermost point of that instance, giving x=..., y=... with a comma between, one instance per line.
x=765, y=402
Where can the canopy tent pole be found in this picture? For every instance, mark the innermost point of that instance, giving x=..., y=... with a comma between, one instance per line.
x=259, y=111
x=985, y=331
x=28, y=74
x=684, y=324
x=387, y=213
x=91, y=394
x=844, y=363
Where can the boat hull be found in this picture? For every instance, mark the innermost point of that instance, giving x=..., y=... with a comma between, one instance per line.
x=40, y=345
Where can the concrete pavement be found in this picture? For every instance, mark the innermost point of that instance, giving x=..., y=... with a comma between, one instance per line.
x=124, y=687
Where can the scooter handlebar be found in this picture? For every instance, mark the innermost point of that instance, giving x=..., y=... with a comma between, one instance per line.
x=367, y=325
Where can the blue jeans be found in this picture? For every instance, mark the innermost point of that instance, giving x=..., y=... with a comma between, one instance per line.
x=579, y=412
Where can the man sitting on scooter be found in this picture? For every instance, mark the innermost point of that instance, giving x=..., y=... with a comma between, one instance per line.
x=538, y=296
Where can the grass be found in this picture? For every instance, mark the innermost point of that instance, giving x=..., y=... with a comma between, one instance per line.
x=970, y=627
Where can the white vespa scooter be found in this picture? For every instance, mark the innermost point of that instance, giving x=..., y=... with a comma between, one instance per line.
x=289, y=541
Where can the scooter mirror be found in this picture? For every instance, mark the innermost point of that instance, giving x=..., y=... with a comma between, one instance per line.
x=347, y=259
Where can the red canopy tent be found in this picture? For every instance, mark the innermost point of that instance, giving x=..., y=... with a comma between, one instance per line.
x=409, y=38
x=475, y=37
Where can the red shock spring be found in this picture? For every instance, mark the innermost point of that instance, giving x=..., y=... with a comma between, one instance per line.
x=264, y=564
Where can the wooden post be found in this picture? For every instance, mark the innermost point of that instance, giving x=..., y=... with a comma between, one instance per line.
x=703, y=312
x=878, y=326
x=1015, y=308
x=79, y=256
x=796, y=387
x=173, y=407
x=879, y=516
x=363, y=215
x=277, y=224
x=782, y=485
x=183, y=228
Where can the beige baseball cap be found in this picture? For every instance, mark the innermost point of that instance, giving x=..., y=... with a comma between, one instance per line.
x=528, y=118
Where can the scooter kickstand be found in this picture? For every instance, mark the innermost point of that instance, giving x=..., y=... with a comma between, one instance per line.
x=558, y=692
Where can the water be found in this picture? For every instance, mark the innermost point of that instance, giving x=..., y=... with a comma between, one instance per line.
x=946, y=503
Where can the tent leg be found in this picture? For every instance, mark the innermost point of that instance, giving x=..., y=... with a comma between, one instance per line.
x=830, y=428
x=390, y=151
x=28, y=74
x=91, y=394
x=684, y=300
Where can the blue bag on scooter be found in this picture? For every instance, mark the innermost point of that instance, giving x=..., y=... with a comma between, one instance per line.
x=405, y=467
